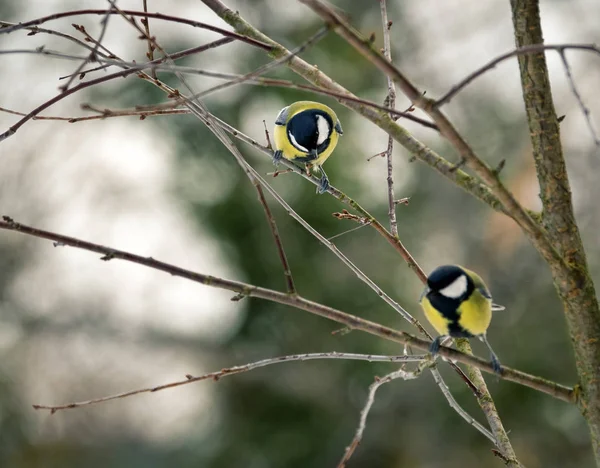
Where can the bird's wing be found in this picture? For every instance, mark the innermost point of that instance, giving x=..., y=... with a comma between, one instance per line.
x=482, y=288
x=282, y=117
x=424, y=293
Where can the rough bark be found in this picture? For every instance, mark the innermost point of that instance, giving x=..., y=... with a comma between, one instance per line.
x=573, y=283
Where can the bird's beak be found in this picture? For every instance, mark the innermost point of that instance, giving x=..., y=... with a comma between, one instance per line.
x=424, y=293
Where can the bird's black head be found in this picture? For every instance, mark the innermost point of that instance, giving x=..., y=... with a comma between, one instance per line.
x=451, y=281
x=311, y=130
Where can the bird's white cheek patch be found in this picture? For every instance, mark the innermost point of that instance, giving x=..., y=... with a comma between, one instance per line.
x=296, y=144
x=455, y=289
x=323, y=129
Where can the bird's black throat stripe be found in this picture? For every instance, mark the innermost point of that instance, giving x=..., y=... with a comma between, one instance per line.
x=449, y=309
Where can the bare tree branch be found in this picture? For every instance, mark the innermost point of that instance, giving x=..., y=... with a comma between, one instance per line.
x=36, y=30
x=556, y=390
x=390, y=101
x=143, y=14
x=379, y=381
x=146, y=23
x=459, y=409
x=287, y=272
x=13, y=129
x=218, y=375
x=132, y=67
x=523, y=50
x=487, y=405
x=92, y=56
x=104, y=114
x=573, y=281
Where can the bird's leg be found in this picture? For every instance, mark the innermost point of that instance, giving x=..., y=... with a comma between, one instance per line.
x=324, y=184
x=277, y=155
x=495, y=362
x=435, y=345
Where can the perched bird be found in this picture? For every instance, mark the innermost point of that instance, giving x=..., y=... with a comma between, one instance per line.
x=307, y=132
x=457, y=303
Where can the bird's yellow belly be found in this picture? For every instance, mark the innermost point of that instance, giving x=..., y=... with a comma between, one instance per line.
x=437, y=320
x=475, y=317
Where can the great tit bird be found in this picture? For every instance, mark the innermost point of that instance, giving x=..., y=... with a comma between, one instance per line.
x=307, y=132
x=457, y=303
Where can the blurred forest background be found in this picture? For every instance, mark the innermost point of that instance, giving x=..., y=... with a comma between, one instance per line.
x=73, y=327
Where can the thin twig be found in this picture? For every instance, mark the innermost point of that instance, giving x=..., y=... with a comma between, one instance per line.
x=267, y=139
x=146, y=23
x=143, y=14
x=524, y=50
x=253, y=79
x=287, y=272
x=133, y=67
x=456, y=407
x=379, y=381
x=390, y=101
x=103, y=114
x=92, y=56
x=123, y=73
x=321, y=33
x=85, y=72
x=401, y=373
x=107, y=54
x=37, y=30
x=556, y=390
x=582, y=106
x=218, y=375
x=346, y=232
